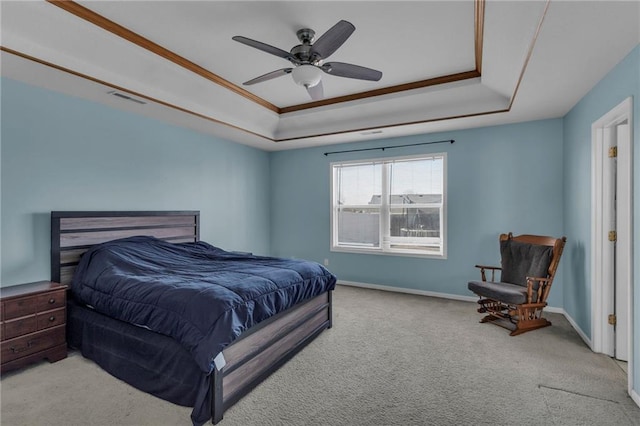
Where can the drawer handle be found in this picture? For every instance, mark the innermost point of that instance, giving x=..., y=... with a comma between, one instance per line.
x=52, y=301
x=18, y=350
x=52, y=318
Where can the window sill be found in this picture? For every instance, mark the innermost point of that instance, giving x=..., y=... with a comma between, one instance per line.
x=389, y=253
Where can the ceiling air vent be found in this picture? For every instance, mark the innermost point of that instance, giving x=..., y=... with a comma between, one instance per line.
x=127, y=97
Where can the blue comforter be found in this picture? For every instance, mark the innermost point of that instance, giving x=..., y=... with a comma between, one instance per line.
x=200, y=295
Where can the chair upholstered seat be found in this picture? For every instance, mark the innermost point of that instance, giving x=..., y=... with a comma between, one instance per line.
x=505, y=292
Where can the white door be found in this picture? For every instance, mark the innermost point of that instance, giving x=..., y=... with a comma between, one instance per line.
x=622, y=281
x=609, y=177
x=616, y=256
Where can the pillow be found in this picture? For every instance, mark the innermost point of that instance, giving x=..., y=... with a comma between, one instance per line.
x=522, y=260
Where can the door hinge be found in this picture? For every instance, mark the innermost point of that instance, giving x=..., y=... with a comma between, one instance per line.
x=613, y=152
x=612, y=319
x=613, y=236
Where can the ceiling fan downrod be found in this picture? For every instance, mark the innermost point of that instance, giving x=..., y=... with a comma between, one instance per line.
x=302, y=52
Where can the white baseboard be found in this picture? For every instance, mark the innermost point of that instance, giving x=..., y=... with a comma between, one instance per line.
x=578, y=330
x=552, y=309
x=409, y=291
x=636, y=398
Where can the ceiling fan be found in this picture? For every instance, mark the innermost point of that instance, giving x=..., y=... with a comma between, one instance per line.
x=308, y=59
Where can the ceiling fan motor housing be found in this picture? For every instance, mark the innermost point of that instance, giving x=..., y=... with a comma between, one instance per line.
x=302, y=53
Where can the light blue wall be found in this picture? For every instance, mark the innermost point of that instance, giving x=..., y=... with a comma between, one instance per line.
x=500, y=179
x=63, y=153
x=620, y=83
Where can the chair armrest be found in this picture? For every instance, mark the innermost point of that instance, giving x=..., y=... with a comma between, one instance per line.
x=542, y=292
x=488, y=267
x=493, y=271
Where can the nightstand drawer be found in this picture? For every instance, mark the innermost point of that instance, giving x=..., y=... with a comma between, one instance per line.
x=19, y=307
x=51, y=318
x=51, y=301
x=32, y=343
x=18, y=327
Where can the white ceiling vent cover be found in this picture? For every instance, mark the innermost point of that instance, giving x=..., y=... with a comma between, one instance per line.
x=126, y=97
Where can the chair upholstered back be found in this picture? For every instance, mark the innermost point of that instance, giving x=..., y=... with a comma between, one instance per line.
x=521, y=260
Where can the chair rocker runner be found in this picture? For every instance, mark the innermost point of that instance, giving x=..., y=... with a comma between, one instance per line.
x=529, y=264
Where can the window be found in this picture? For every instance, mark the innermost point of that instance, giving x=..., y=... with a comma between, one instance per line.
x=390, y=206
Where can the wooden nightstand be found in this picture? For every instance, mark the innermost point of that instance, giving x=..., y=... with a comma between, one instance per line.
x=33, y=320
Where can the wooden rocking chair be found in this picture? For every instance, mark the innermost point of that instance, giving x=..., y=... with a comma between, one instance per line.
x=529, y=264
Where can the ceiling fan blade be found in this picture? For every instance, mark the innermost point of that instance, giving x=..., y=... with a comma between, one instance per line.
x=316, y=92
x=330, y=41
x=268, y=76
x=341, y=69
x=263, y=46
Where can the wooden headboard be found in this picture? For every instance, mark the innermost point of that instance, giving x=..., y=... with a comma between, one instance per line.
x=73, y=233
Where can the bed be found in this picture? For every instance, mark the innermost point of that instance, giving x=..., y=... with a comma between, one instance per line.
x=211, y=374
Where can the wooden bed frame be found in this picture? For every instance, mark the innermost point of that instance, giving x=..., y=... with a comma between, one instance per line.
x=256, y=354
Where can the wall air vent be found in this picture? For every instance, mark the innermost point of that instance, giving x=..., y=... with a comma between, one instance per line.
x=371, y=132
x=126, y=97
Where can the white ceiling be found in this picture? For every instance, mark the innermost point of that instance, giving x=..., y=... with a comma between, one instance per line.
x=538, y=59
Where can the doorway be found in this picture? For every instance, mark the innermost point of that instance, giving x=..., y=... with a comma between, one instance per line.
x=611, y=253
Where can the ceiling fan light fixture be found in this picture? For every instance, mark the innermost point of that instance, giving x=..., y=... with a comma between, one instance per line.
x=306, y=75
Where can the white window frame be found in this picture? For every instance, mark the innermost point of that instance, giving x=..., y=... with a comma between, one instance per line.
x=386, y=241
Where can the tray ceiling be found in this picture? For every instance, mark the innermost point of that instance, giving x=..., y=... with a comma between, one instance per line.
x=445, y=65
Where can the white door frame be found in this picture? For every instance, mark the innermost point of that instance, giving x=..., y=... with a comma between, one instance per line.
x=601, y=332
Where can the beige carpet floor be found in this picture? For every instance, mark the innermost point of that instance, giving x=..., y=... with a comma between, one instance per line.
x=390, y=359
